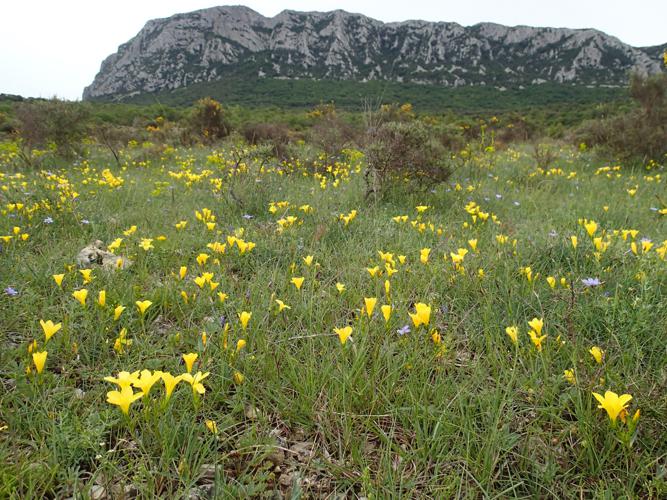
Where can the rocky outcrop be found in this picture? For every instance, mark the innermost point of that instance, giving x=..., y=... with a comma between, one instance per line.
x=214, y=43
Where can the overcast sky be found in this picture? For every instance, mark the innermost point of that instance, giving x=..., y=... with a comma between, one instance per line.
x=54, y=47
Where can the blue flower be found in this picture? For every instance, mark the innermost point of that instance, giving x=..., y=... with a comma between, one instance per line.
x=591, y=282
x=404, y=330
x=48, y=220
x=11, y=291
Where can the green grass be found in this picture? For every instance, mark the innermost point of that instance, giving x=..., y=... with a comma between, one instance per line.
x=385, y=415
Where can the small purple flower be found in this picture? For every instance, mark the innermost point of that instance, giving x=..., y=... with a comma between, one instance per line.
x=590, y=282
x=11, y=291
x=223, y=320
x=48, y=220
x=404, y=330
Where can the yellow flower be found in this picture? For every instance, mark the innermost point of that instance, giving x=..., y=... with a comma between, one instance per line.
x=102, y=298
x=117, y=312
x=81, y=296
x=182, y=272
x=200, y=281
x=244, y=318
x=513, y=333
x=146, y=381
x=124, y=379
x=142, y=305
x=591, y=227
x=196, y=381
x=49, y=328
x=123, y=398
x=536, y=324
x=386, y=312
x=190, y=360
x=308, y=260
x=569, y=376
x=170, y=383
x=146, y=244
x=297, y=282
x=87, y=275
x=340, y=287
x=240, y=344
x=387, y=287
x=435, y=337
x=614, y=404
x=238, y=377
x=573, y=240
x=597, y=353
x=552, y=281
x=222, y=296
x=39, y=358
x=343, y=333
x=202, y=258
x=374, y=271
x=369, y=303
x=537, y=339
x=282, y=305
x=211, y=426
x=423, y=255
x=58, y=278
x=473, y=244
x=422, y=314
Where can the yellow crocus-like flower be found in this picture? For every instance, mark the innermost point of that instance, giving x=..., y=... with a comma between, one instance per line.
x=613, y=404
x=238, y=377
x=422, y=314
x=386, y=312
x=211, y=426
x=552, y=281
x=597, y=353
x=146, y=244
x=569, y=376
x=58, y=278
x=142, y=305
x=202, y=258
x=297, y=282
x=537, y=339
x=573, y=240
x=473, y=244
x=436, y=337
x=39, y=358
x=513, y=333
x=369, y=303
x=281, y=305
x=81, y=296
x=182, y=272
x=146, y=380
x=170, y=383
x=124, y=379
x=244, y=318
x=123, y=398
x=87, y=275
x=117, y=312
x=536, y=324
x=343, y=333
x=591, y=227
x=423, y=255
x=340, y=287
x=49, y=328
x=190, y=360
x=308, y=260
x=222, y=296
x=240, y=344
x=102, y=298
x=196, y=381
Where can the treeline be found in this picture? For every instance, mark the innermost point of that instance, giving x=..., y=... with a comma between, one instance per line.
x=630, y=129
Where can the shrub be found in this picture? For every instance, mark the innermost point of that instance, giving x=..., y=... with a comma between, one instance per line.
x=53, y=123
x=403, y=152
x=639, y=134
x=208, y=120
x=276, y=135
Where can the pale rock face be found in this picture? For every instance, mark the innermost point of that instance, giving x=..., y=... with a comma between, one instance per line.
x=214, y=43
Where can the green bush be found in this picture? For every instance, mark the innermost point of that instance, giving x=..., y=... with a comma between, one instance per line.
x=208, y=120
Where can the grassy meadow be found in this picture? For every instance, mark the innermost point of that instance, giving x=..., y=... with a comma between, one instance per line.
x=442, y=343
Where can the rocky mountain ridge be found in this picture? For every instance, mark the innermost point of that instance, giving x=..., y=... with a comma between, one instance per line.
x=211, y=44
